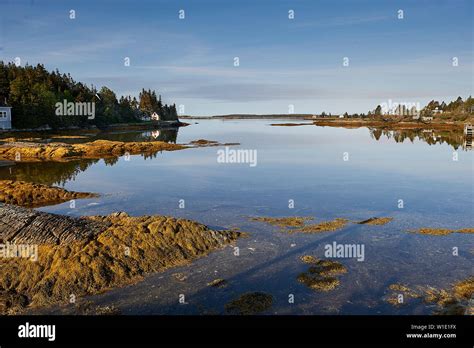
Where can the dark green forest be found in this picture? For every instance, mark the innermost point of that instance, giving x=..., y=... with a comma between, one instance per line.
x=33, y=92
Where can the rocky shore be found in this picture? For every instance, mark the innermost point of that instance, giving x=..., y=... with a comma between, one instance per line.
x=357, y=123
x=84, y=256
x=28, y=194
x=30, y=152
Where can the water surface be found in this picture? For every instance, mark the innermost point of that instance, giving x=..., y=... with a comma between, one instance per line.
x=304, y=164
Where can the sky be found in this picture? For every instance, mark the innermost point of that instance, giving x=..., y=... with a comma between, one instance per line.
x=285, y=64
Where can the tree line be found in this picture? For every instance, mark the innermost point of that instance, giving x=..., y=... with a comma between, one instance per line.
x=459, y=108
x=33, y=93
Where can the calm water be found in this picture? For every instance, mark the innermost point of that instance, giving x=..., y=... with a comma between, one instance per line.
x=304, y=164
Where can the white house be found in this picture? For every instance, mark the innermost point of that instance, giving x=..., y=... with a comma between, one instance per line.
x=5, y=117
x=155, y=116
x=437, y=111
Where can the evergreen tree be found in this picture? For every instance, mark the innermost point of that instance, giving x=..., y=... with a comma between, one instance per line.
x=33, y=92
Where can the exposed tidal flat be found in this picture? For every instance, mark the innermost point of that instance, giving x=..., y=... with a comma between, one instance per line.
x=304, y=164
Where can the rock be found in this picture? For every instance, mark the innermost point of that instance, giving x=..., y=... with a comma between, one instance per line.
x=250, y=303
x=26, y=226
x=28, y=152
x=84, y=256
x=28, y=194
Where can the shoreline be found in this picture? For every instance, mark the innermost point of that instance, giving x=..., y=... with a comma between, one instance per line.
x=94, y=129
x=389, y=124
x=34, y=152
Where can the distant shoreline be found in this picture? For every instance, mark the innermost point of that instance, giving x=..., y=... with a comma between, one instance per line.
x=247, y=116
x=338, y=122
x=357, y=123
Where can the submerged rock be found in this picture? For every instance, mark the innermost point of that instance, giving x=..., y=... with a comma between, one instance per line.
x=250, y=303
x=376, y=221
x=325, y=226
x=292, y=221
x=457, y=300
x=218, y=283
x=84, y=256
x=441, y=231
x=321, y=275
x=309, y=259
x=29, y=194
x=209, y=143
x=89, y=308
x=180, y=276
x=297, y=224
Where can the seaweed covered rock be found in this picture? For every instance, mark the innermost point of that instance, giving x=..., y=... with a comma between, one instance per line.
x=104, y=252
x=28, y=152
x=456, y=300
x=27, y=194
x=250, y=303
x=321, y=276
x=26, y=226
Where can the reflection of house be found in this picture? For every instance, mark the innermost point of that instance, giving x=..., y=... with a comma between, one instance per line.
x=155, y=116
x=427, y=118
x=5, y=117
x=468, y=129
x=145, y=118
x=155, y=134
x=467, y=145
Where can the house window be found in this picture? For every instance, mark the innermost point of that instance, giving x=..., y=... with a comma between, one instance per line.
x=3, y=114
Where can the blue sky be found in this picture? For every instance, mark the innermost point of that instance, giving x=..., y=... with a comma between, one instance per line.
x=283, y=62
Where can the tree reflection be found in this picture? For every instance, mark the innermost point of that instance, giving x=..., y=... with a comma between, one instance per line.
x=454, y=138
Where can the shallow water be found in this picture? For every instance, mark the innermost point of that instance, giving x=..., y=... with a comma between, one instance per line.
x=304, y=164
